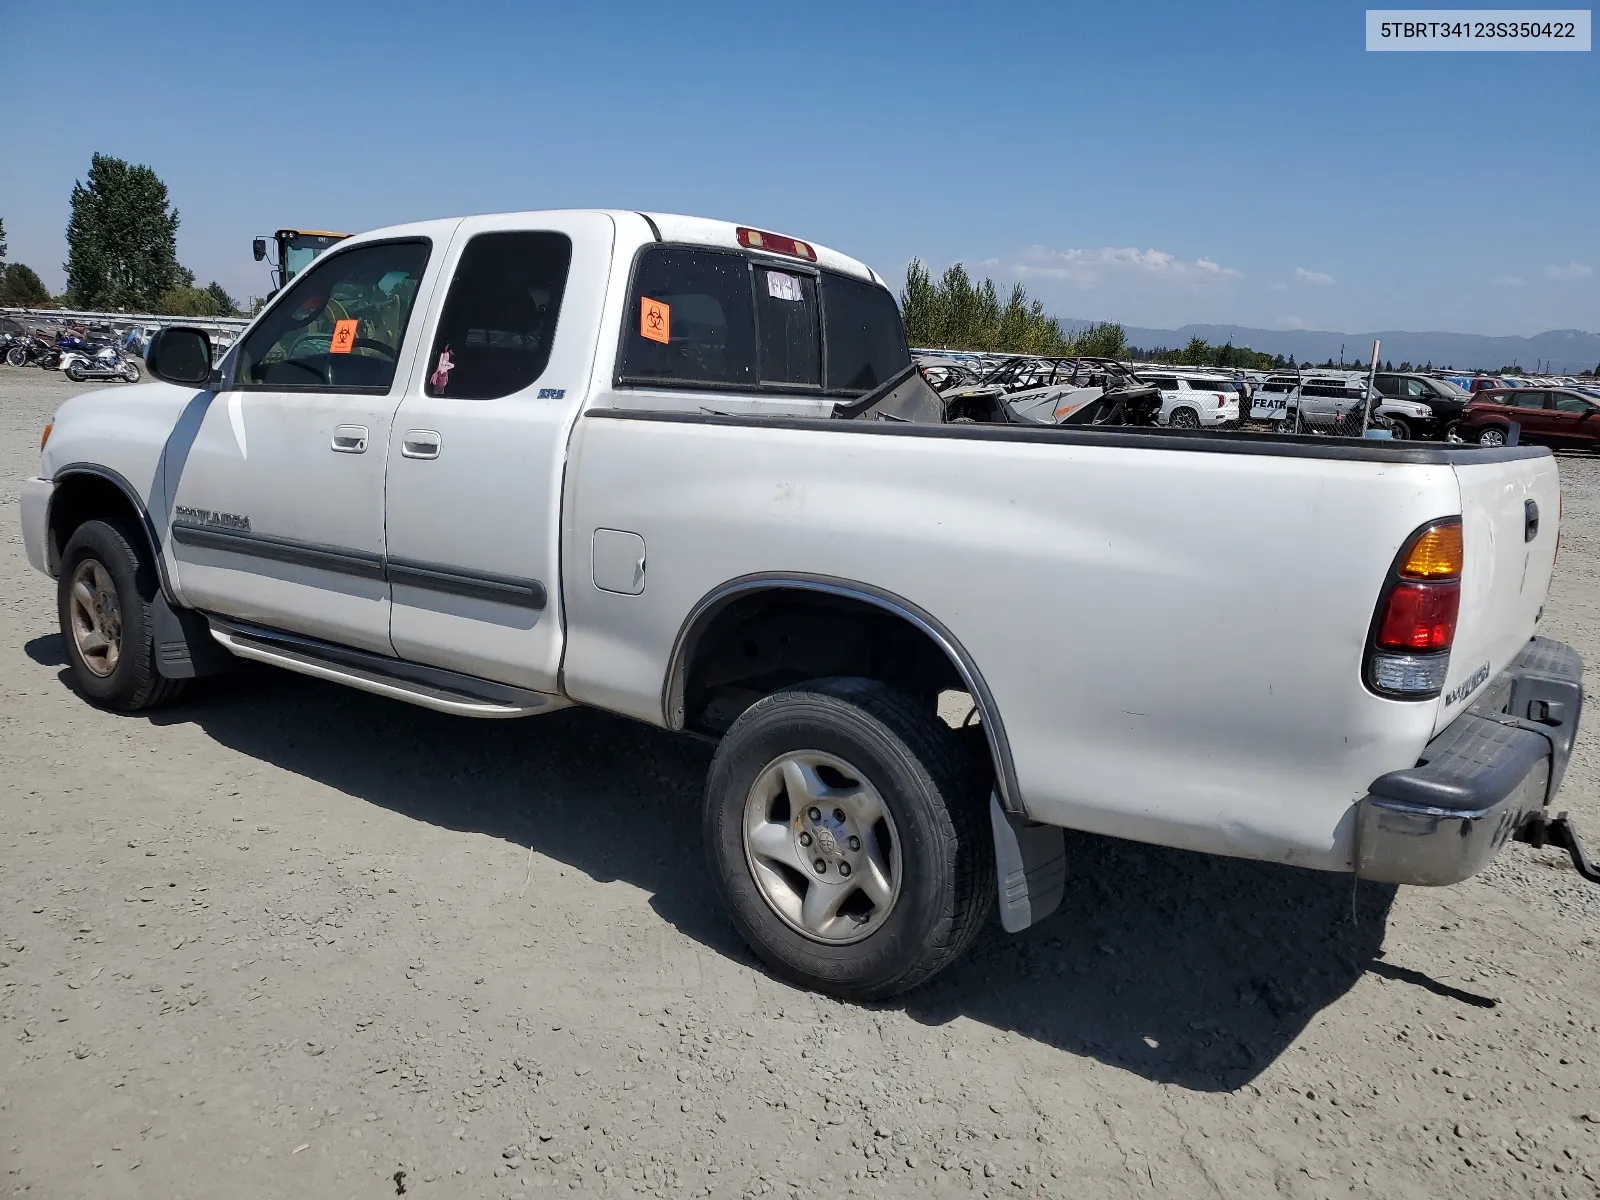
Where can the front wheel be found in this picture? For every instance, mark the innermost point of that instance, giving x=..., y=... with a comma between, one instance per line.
x=17, y=356
x=1491, y=435
x=848, y=833
x=1399, y=430
x=103, y=599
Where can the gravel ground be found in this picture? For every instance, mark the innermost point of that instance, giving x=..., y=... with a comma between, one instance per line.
x=292, y=940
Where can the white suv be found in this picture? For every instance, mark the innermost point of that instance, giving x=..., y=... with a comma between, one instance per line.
x=1189, y=401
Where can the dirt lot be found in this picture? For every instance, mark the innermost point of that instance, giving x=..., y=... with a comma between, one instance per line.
x=291, y=940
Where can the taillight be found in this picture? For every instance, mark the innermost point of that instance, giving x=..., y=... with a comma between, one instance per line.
x=1408, y=654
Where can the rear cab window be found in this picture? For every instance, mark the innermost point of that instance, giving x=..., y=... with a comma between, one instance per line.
x=703, y=317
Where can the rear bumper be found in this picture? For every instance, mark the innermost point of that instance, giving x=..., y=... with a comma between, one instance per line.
x=1491, y=769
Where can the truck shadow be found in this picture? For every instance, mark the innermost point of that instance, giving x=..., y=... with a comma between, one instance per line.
x=1179, y=967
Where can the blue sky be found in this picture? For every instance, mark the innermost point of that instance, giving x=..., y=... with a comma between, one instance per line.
x=1154, y=163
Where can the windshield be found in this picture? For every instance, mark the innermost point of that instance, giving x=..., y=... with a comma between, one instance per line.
x=299, y=249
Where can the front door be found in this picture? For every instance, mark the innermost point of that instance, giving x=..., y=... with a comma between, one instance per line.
x=275, y=484
x=478, y=447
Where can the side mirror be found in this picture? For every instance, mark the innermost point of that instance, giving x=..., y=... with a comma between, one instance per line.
x=180, y=355
x=259, y=248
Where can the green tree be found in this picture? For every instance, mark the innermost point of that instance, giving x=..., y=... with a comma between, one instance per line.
x=955, y=313
x=226, y=307
x=1103, y=339
x=186, y=301
x=122, y=250
x=1197, y=353
x=21, y=287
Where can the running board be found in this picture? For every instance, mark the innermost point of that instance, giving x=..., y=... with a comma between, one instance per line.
x=431, y=687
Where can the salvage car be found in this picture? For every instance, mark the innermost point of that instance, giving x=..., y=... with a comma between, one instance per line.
x=685, y=471
x=1562, y=417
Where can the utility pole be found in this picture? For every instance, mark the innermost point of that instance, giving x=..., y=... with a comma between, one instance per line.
x=1372, y=375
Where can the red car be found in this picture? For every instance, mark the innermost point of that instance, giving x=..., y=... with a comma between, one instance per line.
x=1548, y=417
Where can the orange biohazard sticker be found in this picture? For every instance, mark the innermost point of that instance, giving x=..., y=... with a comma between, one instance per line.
x=655, y=320
x=344, y=337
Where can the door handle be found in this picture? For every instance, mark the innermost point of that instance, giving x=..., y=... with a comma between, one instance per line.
x=350, y=439
x=420, y=443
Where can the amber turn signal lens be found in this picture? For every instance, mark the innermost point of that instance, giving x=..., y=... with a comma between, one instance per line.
x=1436, y=554
x=45, y=436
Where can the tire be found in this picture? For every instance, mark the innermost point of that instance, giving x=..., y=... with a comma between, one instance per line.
x=1184, y=418
x=119, y=584
x=1399, y=430
x=17, y=356
x=130, y=372
x=75, y=373
x=937, y=853
x=1492, y=435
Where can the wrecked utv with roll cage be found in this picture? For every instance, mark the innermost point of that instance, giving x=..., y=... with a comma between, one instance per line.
x=684, y=470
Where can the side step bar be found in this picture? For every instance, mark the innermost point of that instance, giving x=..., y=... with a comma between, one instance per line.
x=431, y=687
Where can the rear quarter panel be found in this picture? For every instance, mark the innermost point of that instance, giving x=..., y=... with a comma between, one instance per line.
x=1173, y=638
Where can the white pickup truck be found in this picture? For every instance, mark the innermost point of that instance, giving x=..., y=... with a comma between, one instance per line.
x=684, y=470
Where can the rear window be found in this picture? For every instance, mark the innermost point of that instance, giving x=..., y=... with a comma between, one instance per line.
x=719, y=318
x=691, y=319
x=866, y=340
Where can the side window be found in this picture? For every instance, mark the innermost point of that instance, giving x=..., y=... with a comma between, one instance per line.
x=690, y=319
x=341, y=326
x=865, y=337
x=1566, y=402
x=1390, y=385
x=1165, y=382
x=786, y=319
x=499, y=319
x=1414, y=389
x=1526, y=399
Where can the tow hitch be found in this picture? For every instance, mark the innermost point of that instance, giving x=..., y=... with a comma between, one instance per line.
x=1559, y=831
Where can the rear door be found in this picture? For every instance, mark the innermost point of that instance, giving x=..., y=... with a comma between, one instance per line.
x=479, y=445
x=1568, y=419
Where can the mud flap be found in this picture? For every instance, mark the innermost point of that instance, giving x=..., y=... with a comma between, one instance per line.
x=1030, y=867
x=184, y=645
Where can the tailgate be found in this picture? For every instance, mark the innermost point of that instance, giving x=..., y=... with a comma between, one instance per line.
x=1506, y=572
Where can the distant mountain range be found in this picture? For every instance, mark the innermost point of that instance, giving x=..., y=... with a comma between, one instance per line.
x=1558, y=350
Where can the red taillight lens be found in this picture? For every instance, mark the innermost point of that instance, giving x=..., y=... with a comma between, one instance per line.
x=1420, y=616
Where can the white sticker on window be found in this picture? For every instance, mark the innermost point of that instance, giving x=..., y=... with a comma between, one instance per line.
x=784, y=287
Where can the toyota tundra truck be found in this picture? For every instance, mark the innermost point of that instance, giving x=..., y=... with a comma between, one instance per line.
x=685, y=471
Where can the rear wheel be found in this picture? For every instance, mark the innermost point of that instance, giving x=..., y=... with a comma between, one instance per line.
x=75, y=373
x=1491, y=435
x=130, y=372
x=1184, y=418
x=103, y=598
x=848, y=834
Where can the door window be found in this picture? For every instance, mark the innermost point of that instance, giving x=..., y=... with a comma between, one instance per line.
x=1411, y=389
x=1568, y=403
x=1525, y=399
x=499, y=320
x=341, y=325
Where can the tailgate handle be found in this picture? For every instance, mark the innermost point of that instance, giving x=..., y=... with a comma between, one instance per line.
x=1530, y=510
